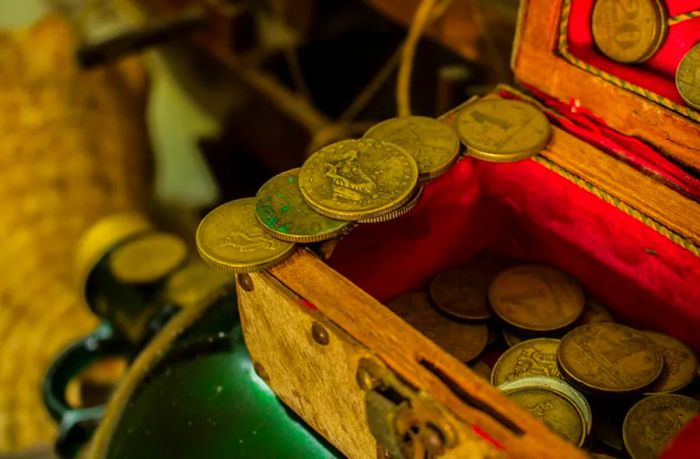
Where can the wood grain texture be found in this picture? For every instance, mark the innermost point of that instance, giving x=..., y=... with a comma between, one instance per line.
x=470, y=398
x=318, y=381
x=536, y=63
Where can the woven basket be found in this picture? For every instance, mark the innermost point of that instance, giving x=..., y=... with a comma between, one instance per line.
x=73, y=147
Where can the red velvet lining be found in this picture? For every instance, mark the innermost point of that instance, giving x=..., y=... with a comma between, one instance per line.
x=525, y=211
x=658, y=73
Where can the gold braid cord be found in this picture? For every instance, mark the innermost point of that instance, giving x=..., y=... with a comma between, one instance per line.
x=73, y=149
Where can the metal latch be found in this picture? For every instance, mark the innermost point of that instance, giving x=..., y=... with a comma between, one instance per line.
x=405, y=422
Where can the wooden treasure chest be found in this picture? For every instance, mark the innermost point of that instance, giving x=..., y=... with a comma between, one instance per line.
x=612, y=200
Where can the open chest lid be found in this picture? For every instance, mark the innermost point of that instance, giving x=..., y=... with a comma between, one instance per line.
x=554, y=54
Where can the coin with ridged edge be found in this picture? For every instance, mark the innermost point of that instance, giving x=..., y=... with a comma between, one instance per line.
x=680, y=363
x=502, y=130
x=534, y=357
x=231, y=239
x=358, y=179
x=403, y=210
x=609, y=358
x=283, y=213
x=433, y=144
x=558, y=405
x=463, y=340
x=536, y=298
x=629, y=32
x=147, y=258
x=688, y=77
x=653, y=421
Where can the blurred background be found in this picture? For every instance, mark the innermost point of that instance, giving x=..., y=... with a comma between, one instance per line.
x=166, y=108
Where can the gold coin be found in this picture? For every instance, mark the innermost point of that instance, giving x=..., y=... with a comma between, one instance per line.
x=653, y=421
x=462, y=291
x=680, y=364
x=502, y=130
x=147, y=258
x=536, y=298
x=231, y=239
x=283, y=213
x=411, y=204
x=534, y=357
x=688, y=77
x=610, y=358
x=552, y=401
x=195, y=283
x=358, y=179
x=434, y=145
x=629, y=31
x=480, y=368
x=462, y=340
x=594, y=312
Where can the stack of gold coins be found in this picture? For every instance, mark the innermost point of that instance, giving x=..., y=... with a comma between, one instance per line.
x=562, y=356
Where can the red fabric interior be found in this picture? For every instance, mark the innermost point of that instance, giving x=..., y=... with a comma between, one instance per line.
x=658, y=73
x=525, y=211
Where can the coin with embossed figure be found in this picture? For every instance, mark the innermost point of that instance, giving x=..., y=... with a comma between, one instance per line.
x=536, y=298
x=463, y=340
x=680, y=363
x=462, y=291
x=231, y=239
x=147, y=258
x=534, y=357
x=284, y=214
x=559, y=406
x=609, y=358
x=502, y=130
x=358, y=179
x=688, y=77
x=653, y=421
x=629, y=31
x=433, y=144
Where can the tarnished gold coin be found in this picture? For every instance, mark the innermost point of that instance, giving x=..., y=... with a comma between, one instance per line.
x=502, y=130
x=594, y=312
x=688, y=77
x=411, y=204
x=630, y=31
x=462, y=340
x=552, y=401
x=462, y=291
x=653, y=421
x=284, y=214
x=433, y=144
x=231, y=239
x=147, y=258
x=358, y=179
x=536, y=298
x=196, y=282
x=534, y=357
x=610, y=358
x=680, y=364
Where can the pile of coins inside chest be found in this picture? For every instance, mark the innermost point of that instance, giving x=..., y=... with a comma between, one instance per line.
x=559, y=354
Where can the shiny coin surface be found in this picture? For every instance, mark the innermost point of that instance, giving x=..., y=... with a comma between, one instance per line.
x=609, y=357
x=411, y=204
x=231, y=239
x=433, y=144
x=358, y=179
x=195, y=283
x=688, y=77
x=680, y=363
x=629, y=31
x=653, y=421
x=284, y=214
x=462, y=291
x=594, y=312
x=534, y=357
x=556, y=404
x=462, y=340
x=147, y=258
x=502, y=130
x=536, y=298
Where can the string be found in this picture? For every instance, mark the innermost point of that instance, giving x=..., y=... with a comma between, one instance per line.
x=683, y=17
